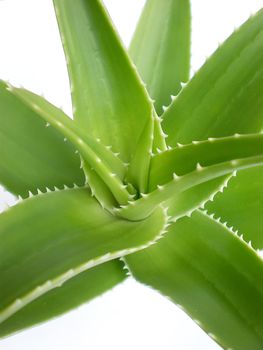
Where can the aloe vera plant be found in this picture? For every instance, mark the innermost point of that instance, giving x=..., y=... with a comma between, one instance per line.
x=157, y=177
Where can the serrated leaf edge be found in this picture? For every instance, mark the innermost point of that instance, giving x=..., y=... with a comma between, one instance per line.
x=47, y=286
x=143, y=207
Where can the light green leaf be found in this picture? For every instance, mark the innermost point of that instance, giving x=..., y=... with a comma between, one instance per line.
x=99, y=189
x=110, y=102
x=76, y=291
x=159, y=136
x=160, y=48
x=33, y=156
x=225, y=96
x=107, y=165
x=245, y=151
x=241, y=205
x=212, y=274
x=138, y=171
x=57, y=236
x=183, y=159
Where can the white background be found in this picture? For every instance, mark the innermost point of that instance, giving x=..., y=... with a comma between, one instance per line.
x=130, y=316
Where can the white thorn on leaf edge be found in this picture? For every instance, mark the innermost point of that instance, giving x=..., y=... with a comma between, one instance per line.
x=158, y=118
x=19, y=199
x=199, y=167
x=163, y=134
x=183, y=84
x=176, y=177
x=235, y=233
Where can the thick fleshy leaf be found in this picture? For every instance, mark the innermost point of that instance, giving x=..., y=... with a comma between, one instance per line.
x=160, y=48
x=76, y=291
x=163, y=194
x=232, y=153
x=159, y=143
x=138, y=171
x=184, y=159
x=110, y=102
x=107, y=165
x=241, y=205
x=210, y=273
x=225, y=96
x=57, y=236
x=32, y=156
x=99, y=189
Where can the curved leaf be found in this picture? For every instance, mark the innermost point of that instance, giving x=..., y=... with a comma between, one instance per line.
x=241, y=205
x=245, y=152
x=212, y=275
x=76, y=291
x=99, y=189
x=163, y=194
x=106, y=164
x=225, y=96
x=106, y=91
x=184, y=158
x=160, y=48
x=138, y=170
x=57, y=236
x=159, y=136
x=32, y=156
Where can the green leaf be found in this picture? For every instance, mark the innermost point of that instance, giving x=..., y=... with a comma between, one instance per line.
x=241, y=205
x=225, y=96
x=184, y=158
x=99, y=189
x=110, y=102
x=212, y=274
x=160, y=48
x=57, y=236
x=32, y=156
x=138, y=171
x=159, y=136
x=233, y=153
x=76, y=291
x=106, y=164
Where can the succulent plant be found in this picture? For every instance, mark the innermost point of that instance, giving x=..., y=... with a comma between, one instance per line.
x=156, y=176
